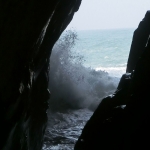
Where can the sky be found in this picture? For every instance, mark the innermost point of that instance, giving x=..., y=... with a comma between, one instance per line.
x=109, y=14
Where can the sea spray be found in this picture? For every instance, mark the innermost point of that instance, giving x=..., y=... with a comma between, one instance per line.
x=75, y=85
x=72, y=85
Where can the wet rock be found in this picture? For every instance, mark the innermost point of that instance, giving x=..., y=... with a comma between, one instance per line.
x=106, y=124
x=28, y=31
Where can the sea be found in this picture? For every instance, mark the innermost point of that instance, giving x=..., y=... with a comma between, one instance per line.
x=85, y=67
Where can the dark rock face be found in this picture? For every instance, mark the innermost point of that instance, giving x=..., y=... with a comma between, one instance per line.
x=140, y=39
x=105, y=127
x=28, y=31
x=113, y=126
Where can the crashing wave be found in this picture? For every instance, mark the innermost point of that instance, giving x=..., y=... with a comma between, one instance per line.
x=72, y=85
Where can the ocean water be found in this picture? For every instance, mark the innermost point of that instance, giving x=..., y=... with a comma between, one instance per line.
x=105, y=49
x=86, y=66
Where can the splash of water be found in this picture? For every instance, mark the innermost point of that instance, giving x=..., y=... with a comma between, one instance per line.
x=72, y=85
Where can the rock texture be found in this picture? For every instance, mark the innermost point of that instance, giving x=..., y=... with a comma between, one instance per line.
x=140, y=39
x=121, y=121
x=28, y=31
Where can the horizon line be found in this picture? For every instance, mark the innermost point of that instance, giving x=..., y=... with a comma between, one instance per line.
x=72, y=28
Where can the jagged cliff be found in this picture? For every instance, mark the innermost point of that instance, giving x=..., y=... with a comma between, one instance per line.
x=121, y=121
x=28, y=31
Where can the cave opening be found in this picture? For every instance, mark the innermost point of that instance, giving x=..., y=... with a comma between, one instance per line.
x=87, y=63
x=78, y=82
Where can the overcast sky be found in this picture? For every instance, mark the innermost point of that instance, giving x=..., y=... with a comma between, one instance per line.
x=108, y=14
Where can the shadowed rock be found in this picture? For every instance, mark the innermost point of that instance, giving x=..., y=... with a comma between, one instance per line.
x=139, y=42
x=28, y=31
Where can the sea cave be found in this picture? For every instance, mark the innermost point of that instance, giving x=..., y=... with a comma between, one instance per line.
x=28, y=32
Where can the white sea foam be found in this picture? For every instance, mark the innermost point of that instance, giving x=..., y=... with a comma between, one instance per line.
x=113, y=71
x=72, y=85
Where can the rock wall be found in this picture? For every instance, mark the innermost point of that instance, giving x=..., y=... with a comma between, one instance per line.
x=28, y=31
x=139, y=41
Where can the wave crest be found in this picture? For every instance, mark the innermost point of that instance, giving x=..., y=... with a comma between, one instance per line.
x=72, y=85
